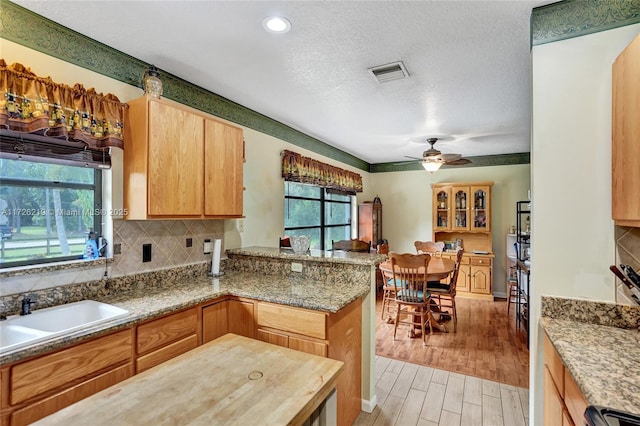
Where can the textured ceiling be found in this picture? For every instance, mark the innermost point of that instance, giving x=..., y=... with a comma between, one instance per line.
x=468, y=64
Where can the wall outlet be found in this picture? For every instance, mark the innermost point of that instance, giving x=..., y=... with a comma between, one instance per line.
x=240, y=223
x=296, y=267
x=208, y=246
x=146, y=253
x=189, y=242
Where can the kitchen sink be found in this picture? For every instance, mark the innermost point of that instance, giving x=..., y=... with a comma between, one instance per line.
x=42, y=324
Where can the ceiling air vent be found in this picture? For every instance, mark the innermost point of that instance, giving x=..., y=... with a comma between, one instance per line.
x=388, y=72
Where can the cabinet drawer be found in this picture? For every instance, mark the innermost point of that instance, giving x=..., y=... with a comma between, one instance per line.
x=49, y=405
x=554, y=364
x=166, y=353
x=308, y=346
x=165, y=330
x=295, y=320
x=481, y=261
x=32, y=378
x=274, y=338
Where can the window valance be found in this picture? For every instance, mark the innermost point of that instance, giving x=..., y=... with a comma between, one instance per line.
x=296, y=168
x=38, y=105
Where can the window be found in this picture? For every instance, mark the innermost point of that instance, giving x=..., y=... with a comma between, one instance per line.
x=321, y=213
x=47, y=211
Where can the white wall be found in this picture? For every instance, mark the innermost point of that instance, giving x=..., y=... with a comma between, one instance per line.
x=572, y=230
x=407, y=213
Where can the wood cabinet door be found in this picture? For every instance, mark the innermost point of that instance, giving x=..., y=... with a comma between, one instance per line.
x=459, y=206
x=214, y=321
x=175, y=162
x=223, y=168
x=441, y=208
x=481, y=279
x=308, y=346
x=553, y=408
x=240, y=315
x=464, y=279
x=625, y=148
x=161, y=332
x=480, y=219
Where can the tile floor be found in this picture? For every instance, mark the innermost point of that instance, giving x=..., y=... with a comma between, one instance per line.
x=410, y=394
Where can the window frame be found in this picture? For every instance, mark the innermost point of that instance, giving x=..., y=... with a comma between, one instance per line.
x=96, y=187
x=323, y=205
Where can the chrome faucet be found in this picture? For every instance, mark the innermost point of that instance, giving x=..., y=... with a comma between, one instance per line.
x=26, y=306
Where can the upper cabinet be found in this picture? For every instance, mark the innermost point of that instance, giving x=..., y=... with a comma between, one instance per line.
x=626, y=137
x=180, y=163
x=462, y=207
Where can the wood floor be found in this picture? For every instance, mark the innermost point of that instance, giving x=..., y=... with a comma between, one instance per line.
x=486, y=345
x=416, y=395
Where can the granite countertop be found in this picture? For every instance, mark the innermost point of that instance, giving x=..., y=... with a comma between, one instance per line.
x=599, y=343
x=337, y=256
x=148, y=303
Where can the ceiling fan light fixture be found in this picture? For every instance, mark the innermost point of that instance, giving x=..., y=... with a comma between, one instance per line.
x=431, y=166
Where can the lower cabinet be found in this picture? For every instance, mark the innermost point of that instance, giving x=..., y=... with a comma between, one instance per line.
x=43, y=385
x=475, y=276
x=161, y=339
x=564, y=403
x=34, y=388
x=333, y=335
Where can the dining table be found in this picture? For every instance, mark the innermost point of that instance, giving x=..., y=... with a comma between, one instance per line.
x=438, y=269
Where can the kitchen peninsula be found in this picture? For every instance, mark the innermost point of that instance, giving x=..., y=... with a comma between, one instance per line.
x=326, y=309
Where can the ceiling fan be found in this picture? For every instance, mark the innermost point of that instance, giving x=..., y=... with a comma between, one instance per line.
x=432, y=159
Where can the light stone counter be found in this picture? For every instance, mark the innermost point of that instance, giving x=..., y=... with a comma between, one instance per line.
x=599, y=343
x=149, y=301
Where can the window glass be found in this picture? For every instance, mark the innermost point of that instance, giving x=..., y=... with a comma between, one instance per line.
x=47, y=211
x=322, y=214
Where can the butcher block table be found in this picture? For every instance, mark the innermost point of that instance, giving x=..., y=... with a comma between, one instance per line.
x=230, y=380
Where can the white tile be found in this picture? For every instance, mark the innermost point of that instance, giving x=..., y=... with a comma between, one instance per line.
x=423, y=378
x=511, y=407
x=447, y=418
x=471, y=414
x=405, y=378
x=492, y=411
x=473, y=390
x=524, y=401
x=395, y=366
x=453, y=395
x=389, y=411
x=491, y=388
x=410, y=413
x=440, y=376
x=381, y=365
x=433, y=402
x=384, y=385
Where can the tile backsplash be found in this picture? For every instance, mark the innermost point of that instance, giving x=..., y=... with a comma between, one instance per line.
x=627, y=252
x=168, y=239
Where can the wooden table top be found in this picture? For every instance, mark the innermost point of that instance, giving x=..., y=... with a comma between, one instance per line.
x=439, y=268
x=231, y=380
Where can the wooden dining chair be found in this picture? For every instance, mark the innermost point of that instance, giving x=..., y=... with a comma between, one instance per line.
x=412, y=297
x=351, y=245
x=434, y=248
x=444, y=294
x=380, y=281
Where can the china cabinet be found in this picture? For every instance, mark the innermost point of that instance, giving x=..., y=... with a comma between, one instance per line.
x=462, y=216
x=370, y=222
x=625, y=149
x=180, y=163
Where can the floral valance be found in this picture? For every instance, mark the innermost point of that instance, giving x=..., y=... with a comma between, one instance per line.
x=296, y=168
x=32, y=104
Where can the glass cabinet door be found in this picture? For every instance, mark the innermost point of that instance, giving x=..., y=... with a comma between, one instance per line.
x=461, y=209
x=481, y=209
x=442, y=210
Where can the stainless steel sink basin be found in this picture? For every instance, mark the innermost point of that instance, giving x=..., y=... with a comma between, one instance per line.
x=42, y=324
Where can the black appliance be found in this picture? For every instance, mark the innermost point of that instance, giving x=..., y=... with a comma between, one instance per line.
x=603, y=416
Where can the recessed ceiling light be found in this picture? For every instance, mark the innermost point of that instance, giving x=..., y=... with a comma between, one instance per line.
x=276, y=24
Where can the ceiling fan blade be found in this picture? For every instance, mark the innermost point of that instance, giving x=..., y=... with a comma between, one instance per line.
x=459, y=162
x=413, y=158
x=448, y=158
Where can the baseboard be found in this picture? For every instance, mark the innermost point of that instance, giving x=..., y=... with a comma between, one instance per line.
x=369, y=405
x=499, y=295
